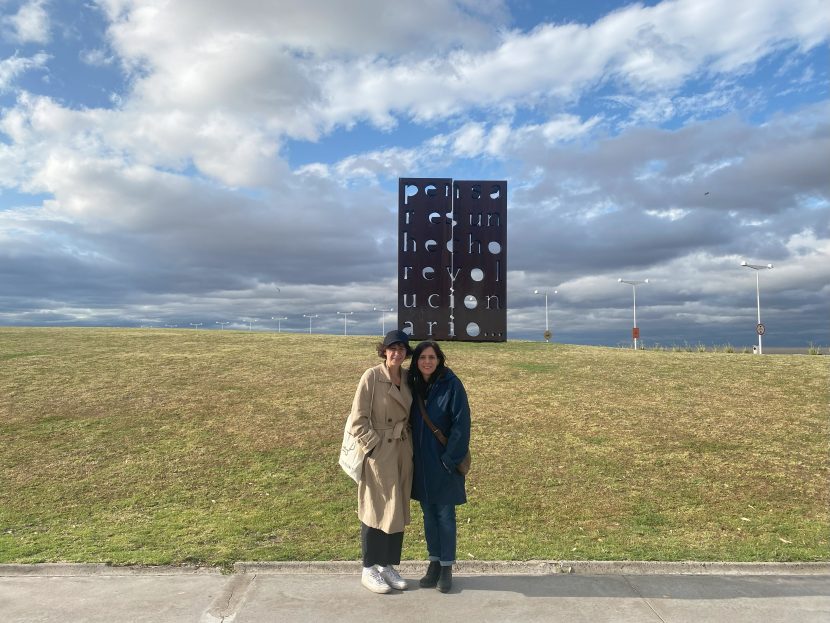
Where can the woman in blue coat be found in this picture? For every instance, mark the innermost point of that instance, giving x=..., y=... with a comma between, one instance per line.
x=436, y=483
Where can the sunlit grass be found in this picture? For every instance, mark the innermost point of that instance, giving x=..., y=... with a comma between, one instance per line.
x=182, y=446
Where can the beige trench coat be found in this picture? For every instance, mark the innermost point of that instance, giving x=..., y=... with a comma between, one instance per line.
x=384, y=491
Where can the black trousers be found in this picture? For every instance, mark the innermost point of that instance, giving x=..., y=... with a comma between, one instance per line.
x=380, y=548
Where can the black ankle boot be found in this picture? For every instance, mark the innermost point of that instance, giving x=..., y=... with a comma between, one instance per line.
x=445, y=579
x=431, y=578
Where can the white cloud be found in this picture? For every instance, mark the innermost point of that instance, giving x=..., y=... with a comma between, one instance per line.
x=629, y=47
x=469, y=140
x=300, y=69
x=150, y=29
x=253, y=75
x=97, y=57
x=29, y=25
x=13, y=67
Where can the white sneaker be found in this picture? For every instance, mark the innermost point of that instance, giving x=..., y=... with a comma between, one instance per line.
x=373, y=580
x=393, y=578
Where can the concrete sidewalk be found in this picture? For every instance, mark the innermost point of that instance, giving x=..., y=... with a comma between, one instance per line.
x=482, y=591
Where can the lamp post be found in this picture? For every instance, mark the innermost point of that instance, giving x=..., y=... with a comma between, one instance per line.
x=345, y=320
x=310, y=316
x=383, y=318
x=221, y=325
x=635, y=333
x=547, y=326
x=279, y=319
x=759, y=328
x=196, y=324
x=251, y=322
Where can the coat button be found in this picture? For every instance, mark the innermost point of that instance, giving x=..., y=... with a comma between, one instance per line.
x=389, y=440
x=389, y=420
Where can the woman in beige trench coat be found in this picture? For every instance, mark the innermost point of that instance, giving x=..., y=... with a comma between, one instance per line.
x=380, y=421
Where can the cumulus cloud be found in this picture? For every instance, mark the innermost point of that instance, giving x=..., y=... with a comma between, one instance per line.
x=30, y=24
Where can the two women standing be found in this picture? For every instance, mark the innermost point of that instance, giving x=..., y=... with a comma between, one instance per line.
x=387, y=422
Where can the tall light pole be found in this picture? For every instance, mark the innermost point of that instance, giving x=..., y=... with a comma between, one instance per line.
x=251, y=322
x=279, y=319
x=383, y=318
x=345, y=320
x=196, y=324
x=635, y=333
x=759, y=328
x=221, y=325
x=310, y=316
x=547, y=326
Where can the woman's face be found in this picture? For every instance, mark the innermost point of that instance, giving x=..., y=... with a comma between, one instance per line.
x=427, y=362
x=395, y=355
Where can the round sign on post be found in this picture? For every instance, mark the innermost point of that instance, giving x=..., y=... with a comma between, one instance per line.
x=760, y=329
x=547, y=335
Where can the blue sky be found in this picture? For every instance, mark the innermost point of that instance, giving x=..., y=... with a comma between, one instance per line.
x=181, y=162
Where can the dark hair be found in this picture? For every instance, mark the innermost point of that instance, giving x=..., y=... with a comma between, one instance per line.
x=414, y=378
x=382, y=349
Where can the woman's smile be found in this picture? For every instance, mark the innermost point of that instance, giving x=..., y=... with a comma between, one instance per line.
x=427, y=362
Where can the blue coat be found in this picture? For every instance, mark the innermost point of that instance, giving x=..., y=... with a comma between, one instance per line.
x=436, y=481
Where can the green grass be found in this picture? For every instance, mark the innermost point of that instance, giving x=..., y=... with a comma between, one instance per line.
x=182, y=446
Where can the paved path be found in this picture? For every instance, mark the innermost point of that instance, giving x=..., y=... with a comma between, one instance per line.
x=300, y=592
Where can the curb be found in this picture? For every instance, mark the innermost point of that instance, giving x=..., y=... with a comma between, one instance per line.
x=552, y=567
x=411, y=567
x=80, y=569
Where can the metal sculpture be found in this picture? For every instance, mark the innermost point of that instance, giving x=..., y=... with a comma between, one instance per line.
x=452, y=259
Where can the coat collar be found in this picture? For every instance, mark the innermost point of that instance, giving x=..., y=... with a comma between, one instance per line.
x=403, y=397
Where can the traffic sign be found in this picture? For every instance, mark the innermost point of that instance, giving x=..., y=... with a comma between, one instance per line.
x=760, y=329
x=635, y=333
x=548, y=335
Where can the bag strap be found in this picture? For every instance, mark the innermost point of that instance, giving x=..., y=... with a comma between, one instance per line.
x=435, y=430
x=372, y=399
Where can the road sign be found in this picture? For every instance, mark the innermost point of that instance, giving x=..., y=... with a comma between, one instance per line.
x=760, y=329
x=635, y=333
x=548, y=335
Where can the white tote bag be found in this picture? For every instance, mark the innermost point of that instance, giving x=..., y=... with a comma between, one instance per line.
x=351, y=454
x=351, y=457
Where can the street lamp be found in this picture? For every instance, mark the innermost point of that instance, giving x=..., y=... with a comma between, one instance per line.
x=383, y=318
x=547, y=327
x=310, y=316
x=196, y=324
x=279, y=319
x=345, y=319
x=221, y=325
x=251, y=322
x=635, y=333
x=759, y=329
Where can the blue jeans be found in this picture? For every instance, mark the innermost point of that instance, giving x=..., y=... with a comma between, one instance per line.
x=440, y=532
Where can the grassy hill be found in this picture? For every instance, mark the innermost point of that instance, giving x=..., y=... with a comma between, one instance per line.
x=182, y=446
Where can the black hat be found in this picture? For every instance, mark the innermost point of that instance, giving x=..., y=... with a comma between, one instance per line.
x=397, y=337
x=393, y=337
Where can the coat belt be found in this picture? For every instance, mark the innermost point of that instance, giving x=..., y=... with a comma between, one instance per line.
x=398, y=431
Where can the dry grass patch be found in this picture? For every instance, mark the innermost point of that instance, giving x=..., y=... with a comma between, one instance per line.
x=172, y=446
